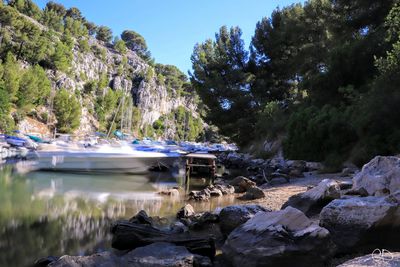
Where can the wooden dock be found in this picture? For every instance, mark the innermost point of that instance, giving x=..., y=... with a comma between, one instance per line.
x=199, y=165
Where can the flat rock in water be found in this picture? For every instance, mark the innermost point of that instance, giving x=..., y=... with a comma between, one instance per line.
x=380, y=176
x=363, y=223
x=185, y=212
x=377, y=258
x=154, y=255
x=233, y=216
x=312, y=201
x=280, y=238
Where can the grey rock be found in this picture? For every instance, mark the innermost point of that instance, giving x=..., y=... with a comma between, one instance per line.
x=280, y=238
x=185, y=211
x=363, y=223
x=233, y=216
x=241, y=184
x=312, y=201
x=380, y=176
x=154, y=255
x=376, y=258
x=253, y=193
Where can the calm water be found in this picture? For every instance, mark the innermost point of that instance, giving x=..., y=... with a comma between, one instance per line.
x=45, y=213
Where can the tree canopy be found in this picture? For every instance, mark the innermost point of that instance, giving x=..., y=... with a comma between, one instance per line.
x=322, y=76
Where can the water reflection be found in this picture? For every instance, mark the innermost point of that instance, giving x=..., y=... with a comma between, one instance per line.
x=46, y=213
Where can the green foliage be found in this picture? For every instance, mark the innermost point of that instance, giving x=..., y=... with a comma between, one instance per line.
x=26, y=7
x=223, y=81
x=6, y=122
x=104, y=34
x=11, y=76
x=62, y=57
x=34, y=88
x=67, y=111
x=120, y=46
x=84, y=45
x=136, y=43
x=319, y=135
x=104, y=107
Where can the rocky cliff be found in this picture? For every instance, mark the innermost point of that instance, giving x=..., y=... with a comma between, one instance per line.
x=152, y=98
x=111, y=84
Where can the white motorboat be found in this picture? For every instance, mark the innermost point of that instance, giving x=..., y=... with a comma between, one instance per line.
x=103, y=158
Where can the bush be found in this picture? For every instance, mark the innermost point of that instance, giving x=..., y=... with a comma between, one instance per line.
x=67, y=111
x=319, y=135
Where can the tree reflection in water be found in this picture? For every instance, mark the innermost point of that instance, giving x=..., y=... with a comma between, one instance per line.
x=44, y=214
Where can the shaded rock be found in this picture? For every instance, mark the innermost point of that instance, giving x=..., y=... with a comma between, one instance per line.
x=44, y=262
x=299, y=165
x=141, y=218
x=203, y=221
x=203, y=195
x=161, y=254
x=178, y=227
x=280, y=238
x=241, y=184
x=312, y=201
x=185, y=212
x=380, y=176
x=363, y=223
x=225, y=189
x=170, y=192
x=214, y=191
x=233, y=216
x=154, y=255
x=377, y=258
x=345, y=185
x=314, y=166
x=253, y=193
x=296, y=173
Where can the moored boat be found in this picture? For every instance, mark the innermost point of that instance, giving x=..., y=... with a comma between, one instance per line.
x=103, y=158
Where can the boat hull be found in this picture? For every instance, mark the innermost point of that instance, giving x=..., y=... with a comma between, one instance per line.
x=104, y=163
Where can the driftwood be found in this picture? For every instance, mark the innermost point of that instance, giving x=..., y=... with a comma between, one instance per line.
x=128, y=235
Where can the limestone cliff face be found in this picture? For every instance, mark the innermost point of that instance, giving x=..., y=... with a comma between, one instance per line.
x=133, y=77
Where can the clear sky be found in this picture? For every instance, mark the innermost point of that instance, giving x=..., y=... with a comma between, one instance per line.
x=172, y=27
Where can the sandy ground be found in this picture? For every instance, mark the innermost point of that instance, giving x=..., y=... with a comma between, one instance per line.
x=279, y=191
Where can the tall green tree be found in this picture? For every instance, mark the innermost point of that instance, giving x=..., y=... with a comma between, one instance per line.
x=135, y=42
x=104, y=33
x=34, y=88
x=222, y=80
x=67, y=110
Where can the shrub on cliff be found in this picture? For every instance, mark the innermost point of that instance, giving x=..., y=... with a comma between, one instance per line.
x=67, y=110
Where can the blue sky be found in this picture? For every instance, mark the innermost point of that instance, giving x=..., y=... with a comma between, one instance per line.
x=172, y=27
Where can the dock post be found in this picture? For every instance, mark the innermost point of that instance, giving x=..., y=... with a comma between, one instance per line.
x=187, y=176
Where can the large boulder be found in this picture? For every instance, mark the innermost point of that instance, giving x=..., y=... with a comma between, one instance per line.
x=233, y=216
x=154, y=255
x=312, y=201
x=241, y=184
x=377, y=258
x=363, y=223
x=380, y=176
x=280, y=238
